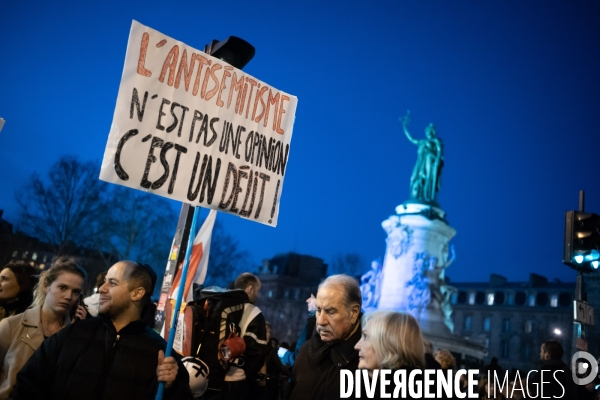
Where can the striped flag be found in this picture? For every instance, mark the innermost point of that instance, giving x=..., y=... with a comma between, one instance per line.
x=198, y=261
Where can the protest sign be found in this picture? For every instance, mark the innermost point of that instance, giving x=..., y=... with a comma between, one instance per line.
x=192, y=128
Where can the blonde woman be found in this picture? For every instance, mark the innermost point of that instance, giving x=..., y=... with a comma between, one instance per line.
x=445, y=358
x=56, y=294
x=390, y=340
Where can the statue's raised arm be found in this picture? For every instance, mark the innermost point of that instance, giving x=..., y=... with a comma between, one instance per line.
x=405, y=121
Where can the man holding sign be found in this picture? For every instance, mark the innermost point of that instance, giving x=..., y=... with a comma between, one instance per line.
x=112, y=357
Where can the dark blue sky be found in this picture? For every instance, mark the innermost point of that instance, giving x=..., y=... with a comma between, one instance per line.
x=512, y=86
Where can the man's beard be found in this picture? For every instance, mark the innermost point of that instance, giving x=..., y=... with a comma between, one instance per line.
x=113, y=310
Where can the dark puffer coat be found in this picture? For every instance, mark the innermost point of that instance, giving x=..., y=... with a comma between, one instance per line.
x=90, y=360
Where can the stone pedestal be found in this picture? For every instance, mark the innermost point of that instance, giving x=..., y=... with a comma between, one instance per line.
x=412, y=277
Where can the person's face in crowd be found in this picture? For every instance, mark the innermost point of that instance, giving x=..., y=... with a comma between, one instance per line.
x=9, y=287
x=311, y=303
x=366, y=354
x=543, y=354
x=334, y=321
x=115, y=296
x=252, y=291
x=63, y=293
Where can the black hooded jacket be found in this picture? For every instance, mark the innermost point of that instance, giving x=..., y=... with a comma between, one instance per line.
x=316, y=373
x=90, y=360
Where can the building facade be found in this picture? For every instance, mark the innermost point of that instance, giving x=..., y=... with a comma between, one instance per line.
x=287, y=281
x=513, y=319
x=17, y=246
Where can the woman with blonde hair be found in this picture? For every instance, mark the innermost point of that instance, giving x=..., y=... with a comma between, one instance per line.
x=390, y=340
x=445, y=358
x=56, y=294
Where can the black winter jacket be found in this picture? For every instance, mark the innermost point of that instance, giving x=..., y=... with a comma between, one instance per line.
x=316, y=373
x=557, y=381
x=90, y=360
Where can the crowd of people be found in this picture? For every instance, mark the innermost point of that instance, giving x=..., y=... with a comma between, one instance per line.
x=52, y=348
x=55, y=345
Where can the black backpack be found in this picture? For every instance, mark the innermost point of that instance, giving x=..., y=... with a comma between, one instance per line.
x=209, y=321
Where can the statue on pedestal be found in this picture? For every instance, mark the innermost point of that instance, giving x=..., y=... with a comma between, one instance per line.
x=370, y=286
x=425, y=180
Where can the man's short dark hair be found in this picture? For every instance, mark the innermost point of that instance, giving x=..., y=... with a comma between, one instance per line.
x=245, y=279
x=350, y=288
x=554, y=349
x=139, y=276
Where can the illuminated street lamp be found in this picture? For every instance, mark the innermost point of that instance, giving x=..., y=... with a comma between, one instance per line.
x=557, y=332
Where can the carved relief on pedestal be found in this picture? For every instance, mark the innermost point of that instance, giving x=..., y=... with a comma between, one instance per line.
x=370, y=286
x=428, y=290
x=399, y=236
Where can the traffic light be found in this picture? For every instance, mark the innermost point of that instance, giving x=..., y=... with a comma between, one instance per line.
x=582, y=241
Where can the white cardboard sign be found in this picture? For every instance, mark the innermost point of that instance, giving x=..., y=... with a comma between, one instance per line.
x=192, y=128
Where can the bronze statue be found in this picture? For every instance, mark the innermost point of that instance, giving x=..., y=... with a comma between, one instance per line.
x=425, y=180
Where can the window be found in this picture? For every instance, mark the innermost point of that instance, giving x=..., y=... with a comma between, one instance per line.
x=34, y=256
x=506, y=325
x=480, y=298
x=286, y=294
x=554, y=300
x=487, y=323
x=541, y=299
x=499, y=298
x=504, y=347
x=564, y=300
x=490, y=299
x=15, y=253
x=462, y=298
x=527, y=350
x=454, y=298
x=471, y=298
x=270, y=294
x=528, y=326
x=531, y=300
x=520, y=298
x=510, y=299
x=467, y=325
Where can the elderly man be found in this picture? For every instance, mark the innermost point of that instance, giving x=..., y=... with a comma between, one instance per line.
x=115, y=356
x=316, y=373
